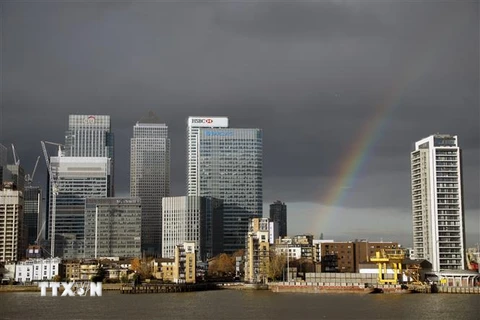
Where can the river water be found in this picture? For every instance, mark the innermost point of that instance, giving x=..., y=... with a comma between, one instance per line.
x=241, y=304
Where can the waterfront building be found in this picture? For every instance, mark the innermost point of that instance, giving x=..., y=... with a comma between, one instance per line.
x=71, y=270
x=88, y=269
x=347, y=256
x=257, y=251
x=226, y=163
x=38, y=269
x=11, y=224
x=317, y=249
x=184, y=270
x=150, y=177
x=112, y=227
x=437, y=202
x=278, y=214
x=77, y=178
x=194, y=219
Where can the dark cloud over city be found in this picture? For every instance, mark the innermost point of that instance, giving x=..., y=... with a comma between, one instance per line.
x=315, y=76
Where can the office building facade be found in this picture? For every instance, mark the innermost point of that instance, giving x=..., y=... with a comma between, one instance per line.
x=11, y=222
x=91, y=136
x=437, y=202
x=150, y=177
x=33, y=213
x=113, y=227
x=77, y=178
x=227, y=163
x=192, y=218
x=278, y=214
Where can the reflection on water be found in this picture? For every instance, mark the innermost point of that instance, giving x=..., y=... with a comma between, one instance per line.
x=233, y=304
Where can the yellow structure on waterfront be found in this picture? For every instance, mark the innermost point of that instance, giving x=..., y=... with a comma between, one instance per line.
x=386, y=259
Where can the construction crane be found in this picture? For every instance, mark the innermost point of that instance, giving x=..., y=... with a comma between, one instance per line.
x=54, y=186
x=16, y=159
x=28, y=177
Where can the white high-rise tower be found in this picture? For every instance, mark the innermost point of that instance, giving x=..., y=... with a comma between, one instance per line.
x=437, y=206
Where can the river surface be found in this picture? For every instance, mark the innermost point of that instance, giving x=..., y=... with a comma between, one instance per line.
x=241, y=304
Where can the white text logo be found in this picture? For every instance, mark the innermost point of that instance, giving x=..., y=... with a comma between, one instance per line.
x=71, y=288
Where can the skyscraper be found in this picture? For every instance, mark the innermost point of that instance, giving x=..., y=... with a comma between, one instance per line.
x=91, y=136
x=11, y=221
x=32, y=213
x=227, y=163
x=150, y=177
x=77, y=178
x=437, y=202
x=278, y=214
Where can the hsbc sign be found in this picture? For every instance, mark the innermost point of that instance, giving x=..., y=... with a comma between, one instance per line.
x=202, y=121
x=209, y=122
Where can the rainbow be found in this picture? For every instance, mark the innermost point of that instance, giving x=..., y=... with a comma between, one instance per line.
x=360, y=149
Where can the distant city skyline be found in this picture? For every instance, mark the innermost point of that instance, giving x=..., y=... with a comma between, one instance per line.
x=341, y=90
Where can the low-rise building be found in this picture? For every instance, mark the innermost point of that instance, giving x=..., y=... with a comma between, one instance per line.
x=88, y=269
x=347, y=256
x=38, y=269
x=71, y=270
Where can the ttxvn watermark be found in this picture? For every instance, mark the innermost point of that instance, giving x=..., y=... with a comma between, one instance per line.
x=71, y=288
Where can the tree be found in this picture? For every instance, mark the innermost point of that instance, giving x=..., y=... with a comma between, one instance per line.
x=57, y=278
x=276, y=266
x=222, y=265
x=100, y=276
x=142, y=268
x=124, y=279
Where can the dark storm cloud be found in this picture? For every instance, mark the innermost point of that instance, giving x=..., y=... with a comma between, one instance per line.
x=310, y=74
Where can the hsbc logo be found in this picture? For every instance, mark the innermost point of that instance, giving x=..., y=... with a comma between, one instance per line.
x=202, y=121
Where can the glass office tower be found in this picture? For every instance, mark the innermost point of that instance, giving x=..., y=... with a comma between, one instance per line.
x=78, y=178
x=227, y=163
x=150, y=177
x=91, y=136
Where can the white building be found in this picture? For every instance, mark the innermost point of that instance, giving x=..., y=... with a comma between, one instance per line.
x=37, y=269
x=294, y=250
x=11, y=215
x=438, y=216
x=150, y=177
x=195, y=219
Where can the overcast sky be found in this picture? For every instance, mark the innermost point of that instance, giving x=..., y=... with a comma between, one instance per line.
x=327, y=81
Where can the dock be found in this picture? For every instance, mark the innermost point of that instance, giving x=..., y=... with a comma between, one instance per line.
x=167, y=288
